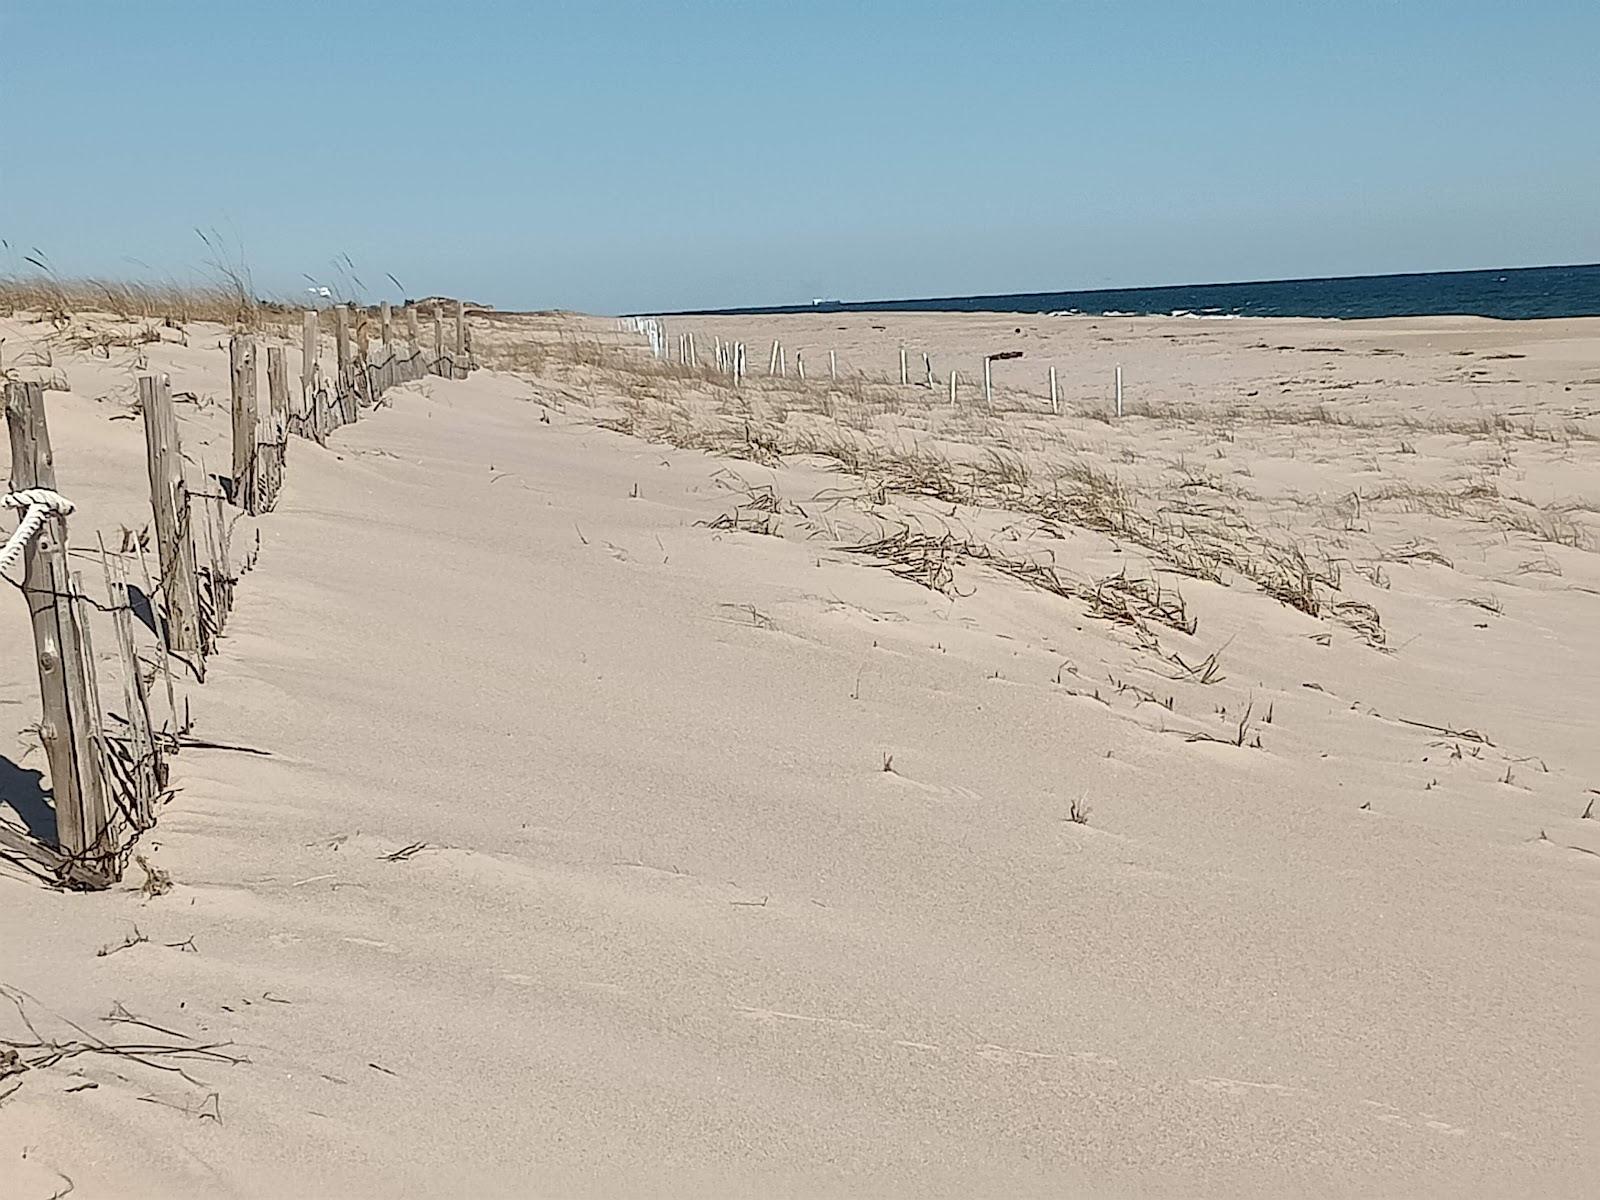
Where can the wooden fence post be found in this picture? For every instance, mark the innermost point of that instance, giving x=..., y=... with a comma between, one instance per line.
x=341, y=341
x=461, y=332
x=242, y=363
x=169, y=501
x=904, y=378
x=308, y=360
x=1055, y=396
x=386, y=326
x=274, y=428
x=438, y=336
x=411, y=325
x=341, y=346
x=66, y=729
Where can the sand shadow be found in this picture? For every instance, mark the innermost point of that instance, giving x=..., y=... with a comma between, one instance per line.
x=143, y=611
x=23, y=791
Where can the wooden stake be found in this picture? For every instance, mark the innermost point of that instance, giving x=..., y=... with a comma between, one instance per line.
x=988, y=387
x=341, y=345
x=952, y=387
x=148, y=772
x=772, y=364
x=1119, y=391
x=411, y=326
x=386, y=324
x=166, y=659
x=272, y=439
x=277, y=384
x=242, y=361
x=1055, y=399
x=438, y=334
x=308, y=360
x=169, y=502
x=833, y=366
x=461, y=334
x=904, y=378
x=66, y=728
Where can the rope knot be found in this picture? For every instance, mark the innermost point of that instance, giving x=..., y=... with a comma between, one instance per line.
x=53, y=502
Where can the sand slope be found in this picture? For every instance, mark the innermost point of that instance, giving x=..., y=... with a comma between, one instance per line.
x=675, y=929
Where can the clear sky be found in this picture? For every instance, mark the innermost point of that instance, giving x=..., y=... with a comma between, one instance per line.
x=618, y=156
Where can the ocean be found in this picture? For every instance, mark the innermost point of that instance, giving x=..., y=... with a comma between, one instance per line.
x=1512, y=294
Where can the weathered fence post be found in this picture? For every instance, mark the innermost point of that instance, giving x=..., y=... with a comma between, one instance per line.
x=341, y=343
x=988, y=386
x=438, y=337
x=1119, y=391
x=275, y=427
x=1055, y=397
x=833, y=366
x=308, y=360
x=169, y=501
x=76, y=784
x=242, y=363
x=904, y=378
x=461, y=336
x=411, y=325
x=386, y=319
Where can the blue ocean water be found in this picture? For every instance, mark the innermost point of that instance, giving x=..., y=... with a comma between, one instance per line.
x=1515, y=293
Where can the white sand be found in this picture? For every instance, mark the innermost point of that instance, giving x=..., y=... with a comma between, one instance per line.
x=676, y=931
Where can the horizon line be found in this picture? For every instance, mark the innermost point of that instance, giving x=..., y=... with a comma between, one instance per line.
x=1146, y=287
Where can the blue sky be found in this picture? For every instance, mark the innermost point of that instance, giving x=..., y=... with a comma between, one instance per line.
x=632, y=156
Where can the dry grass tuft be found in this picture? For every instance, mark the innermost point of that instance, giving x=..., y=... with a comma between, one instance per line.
x=59, y=300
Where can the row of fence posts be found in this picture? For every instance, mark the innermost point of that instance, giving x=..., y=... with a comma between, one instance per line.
x=108, y=771
x=728, y=358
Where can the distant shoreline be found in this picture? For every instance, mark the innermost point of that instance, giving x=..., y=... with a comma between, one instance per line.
x=1511, y=293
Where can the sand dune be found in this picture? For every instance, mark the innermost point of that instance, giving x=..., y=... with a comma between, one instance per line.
x=624, y=831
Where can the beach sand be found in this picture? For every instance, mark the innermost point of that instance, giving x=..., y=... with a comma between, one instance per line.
x=1008, y=860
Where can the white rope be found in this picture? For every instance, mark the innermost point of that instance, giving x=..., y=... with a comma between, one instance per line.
x=37, y=505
